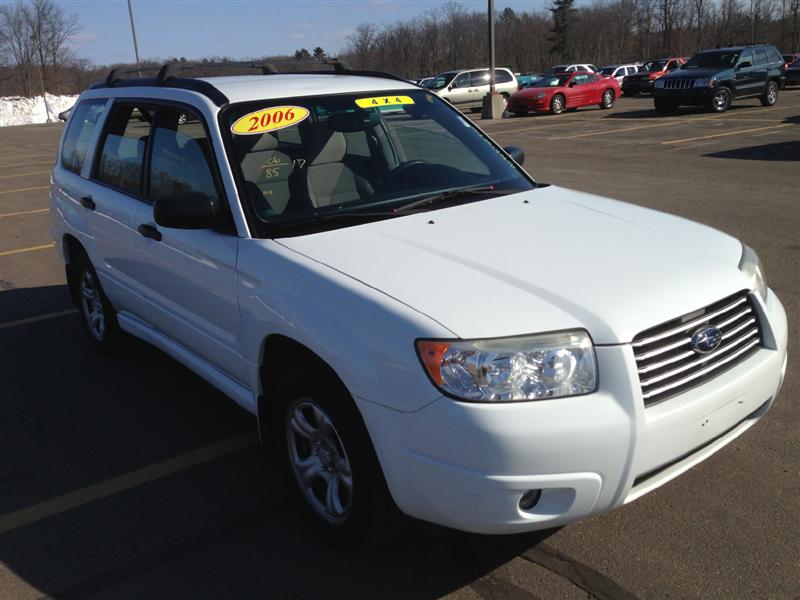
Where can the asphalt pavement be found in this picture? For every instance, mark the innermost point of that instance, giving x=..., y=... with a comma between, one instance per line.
x=129, y=477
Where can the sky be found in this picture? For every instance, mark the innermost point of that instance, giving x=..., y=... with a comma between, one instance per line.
x=236, y=28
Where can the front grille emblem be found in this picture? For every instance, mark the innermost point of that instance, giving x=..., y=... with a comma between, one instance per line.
x=706, y=340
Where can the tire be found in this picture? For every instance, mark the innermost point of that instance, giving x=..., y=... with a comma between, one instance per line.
x=475, y=109
x=721, y=100
x=665, y=107
x=558, y=104
x=330, y=461
x=770, y=96
x=96, y=312
x=608, y=99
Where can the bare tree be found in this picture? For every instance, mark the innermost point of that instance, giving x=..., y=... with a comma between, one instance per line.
x=17, y=42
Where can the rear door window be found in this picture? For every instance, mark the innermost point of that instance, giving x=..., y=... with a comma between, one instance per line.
x=502, y=76
x=122, y=156
x=181, y=161
x=761, y=56
x=81, y=127
x=480, y=77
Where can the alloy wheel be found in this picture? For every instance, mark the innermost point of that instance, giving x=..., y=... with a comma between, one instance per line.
x=721, y=100
x=92, y=306
x=319, y=461
x=558, y=104
x=608, y=99
x=772, y=94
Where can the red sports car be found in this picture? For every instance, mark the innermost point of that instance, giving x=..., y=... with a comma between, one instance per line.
x=565, y=91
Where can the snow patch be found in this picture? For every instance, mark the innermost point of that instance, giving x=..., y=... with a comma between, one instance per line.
x=16, y=110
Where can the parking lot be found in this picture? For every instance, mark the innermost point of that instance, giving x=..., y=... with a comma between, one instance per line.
x=131, y=477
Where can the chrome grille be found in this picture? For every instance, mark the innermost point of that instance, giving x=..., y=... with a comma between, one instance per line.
x=678, y=84
x=668, y=364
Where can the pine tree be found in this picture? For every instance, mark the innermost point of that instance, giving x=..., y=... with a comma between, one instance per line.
x=562, y=11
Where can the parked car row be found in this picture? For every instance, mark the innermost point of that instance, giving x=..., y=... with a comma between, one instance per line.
x=711, y=78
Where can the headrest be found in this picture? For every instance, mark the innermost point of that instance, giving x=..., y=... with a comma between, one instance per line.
x=322, y=145
x=266, y=142
x=351, y=121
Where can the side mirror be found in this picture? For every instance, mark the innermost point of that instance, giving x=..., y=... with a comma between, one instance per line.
x=187, y=211
x=572, y=84
x=450, y=87
x=744, y=65
x=515, y=152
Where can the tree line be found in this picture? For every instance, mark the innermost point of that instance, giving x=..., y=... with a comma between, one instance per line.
x=601, y=32
x=35, y=54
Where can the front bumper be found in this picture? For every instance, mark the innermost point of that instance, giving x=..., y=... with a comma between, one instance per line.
x=638, y=87
x=524, y=106
x=692, y=96
x=466, y=465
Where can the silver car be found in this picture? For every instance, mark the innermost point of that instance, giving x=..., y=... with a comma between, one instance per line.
x=466, y=88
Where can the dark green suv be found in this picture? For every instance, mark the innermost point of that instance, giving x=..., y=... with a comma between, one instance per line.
x=713, y=78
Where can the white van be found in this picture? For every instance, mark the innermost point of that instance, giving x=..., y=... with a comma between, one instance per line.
x=466, y=89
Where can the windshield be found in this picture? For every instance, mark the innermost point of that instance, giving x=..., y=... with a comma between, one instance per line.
x=356, y=153
x=712, y=60
x=654, y=65
x=441, y=80
x=552, y=80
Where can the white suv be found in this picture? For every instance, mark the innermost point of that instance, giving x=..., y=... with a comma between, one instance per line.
x=419, y=327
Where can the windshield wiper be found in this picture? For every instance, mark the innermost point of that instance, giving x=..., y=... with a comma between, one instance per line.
x=448, y=195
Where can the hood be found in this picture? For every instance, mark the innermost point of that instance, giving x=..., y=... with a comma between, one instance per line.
x=544, y=260
x=529, y=92
x=692, y=73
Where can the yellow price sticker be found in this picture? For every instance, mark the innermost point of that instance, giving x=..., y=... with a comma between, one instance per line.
x=269, y=119
x=378, y=101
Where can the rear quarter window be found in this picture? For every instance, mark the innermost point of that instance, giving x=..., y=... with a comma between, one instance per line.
x=79, y=133
x=501, y=76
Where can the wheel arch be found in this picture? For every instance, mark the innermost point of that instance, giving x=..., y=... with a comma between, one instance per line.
x=278, y=354
x=70, y=248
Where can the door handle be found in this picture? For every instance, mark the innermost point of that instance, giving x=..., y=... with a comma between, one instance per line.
x=87, y=202
x=149, y=231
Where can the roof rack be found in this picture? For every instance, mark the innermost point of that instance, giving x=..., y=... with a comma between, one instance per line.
x=167, y=75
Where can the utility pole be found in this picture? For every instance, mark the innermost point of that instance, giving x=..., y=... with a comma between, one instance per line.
x=133, y=31
x=491, y=46
x=493, y=103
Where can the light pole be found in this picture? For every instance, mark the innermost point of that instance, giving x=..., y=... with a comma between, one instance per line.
x=133, y=31
x=493, y=103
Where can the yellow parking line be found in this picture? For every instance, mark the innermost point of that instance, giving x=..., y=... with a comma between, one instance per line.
x=592, y=133
x=716, y=135
x=24, y=174
x=31, y=249
x=535, y=127
x=22, y=164
x=24, y=212
x=45, y=317
x=132, y=479
x=41, y=187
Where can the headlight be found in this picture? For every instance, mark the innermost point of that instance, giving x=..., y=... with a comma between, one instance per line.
x=659, y=83
x=704, y=82
x=751, y=267
x=536, y=367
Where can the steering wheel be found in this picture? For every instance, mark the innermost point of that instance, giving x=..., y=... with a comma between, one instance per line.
x=403, y=167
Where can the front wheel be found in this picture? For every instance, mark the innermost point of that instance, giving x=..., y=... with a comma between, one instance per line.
x=557, y=105
x=608, y=98
x=770, y=96
x=721, y=100
x=331, y=461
